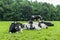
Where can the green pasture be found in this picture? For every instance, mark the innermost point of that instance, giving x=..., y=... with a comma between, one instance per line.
x=52, y=33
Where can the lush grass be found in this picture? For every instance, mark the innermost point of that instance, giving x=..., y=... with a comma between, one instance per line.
x=52, y=33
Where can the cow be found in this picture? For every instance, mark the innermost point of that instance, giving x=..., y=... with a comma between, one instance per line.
x=15, y=27
x=47, y=23
x=35, y=17
x=42, y=25
x=30, y=25
x=36, y=26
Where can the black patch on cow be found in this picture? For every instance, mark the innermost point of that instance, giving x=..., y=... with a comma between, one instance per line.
x=48, y=23
x=14, y=27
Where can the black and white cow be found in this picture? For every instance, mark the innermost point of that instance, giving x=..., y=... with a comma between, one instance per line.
x=35, y=17
x=15, y=27
x=36, y=26
x=30, y=25
x=42, y=25
x=47, y=23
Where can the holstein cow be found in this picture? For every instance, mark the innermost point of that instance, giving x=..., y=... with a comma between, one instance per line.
x=35, y=17
x=42, y=25
x=15, y=27
x=47, y=23
x=32, y=25
x=36, y=26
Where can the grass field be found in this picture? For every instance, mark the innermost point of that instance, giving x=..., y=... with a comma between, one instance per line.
x=52, y=33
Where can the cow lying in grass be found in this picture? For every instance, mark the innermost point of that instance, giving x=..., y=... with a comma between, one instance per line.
x=42, y=25
x=32, y=25
x=47, y=23
x=15, y=27
x=35, y=17
x=36, y=26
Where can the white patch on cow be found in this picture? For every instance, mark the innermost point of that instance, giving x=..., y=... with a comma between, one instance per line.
x=36, y=26
x=33, y=25
x=21, y=30
x=28, y=25
x=19, y=26
x=15, y=27
x=43, y=25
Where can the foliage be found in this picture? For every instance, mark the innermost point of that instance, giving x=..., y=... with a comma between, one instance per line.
x=22, y=10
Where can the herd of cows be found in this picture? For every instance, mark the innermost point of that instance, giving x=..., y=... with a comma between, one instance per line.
x=16, y=27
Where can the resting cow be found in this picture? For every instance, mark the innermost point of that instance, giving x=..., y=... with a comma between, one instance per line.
x=42, y=25
x=30, y=25
x=36, y=26
x=15, y=27
x=36, y=17
x=48, y=23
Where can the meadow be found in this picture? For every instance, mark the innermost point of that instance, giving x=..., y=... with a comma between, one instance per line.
x=52, y=33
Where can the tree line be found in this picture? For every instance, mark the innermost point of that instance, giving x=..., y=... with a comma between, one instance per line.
x=22, y=10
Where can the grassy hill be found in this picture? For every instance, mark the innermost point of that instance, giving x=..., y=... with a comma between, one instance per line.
x=52, y=33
